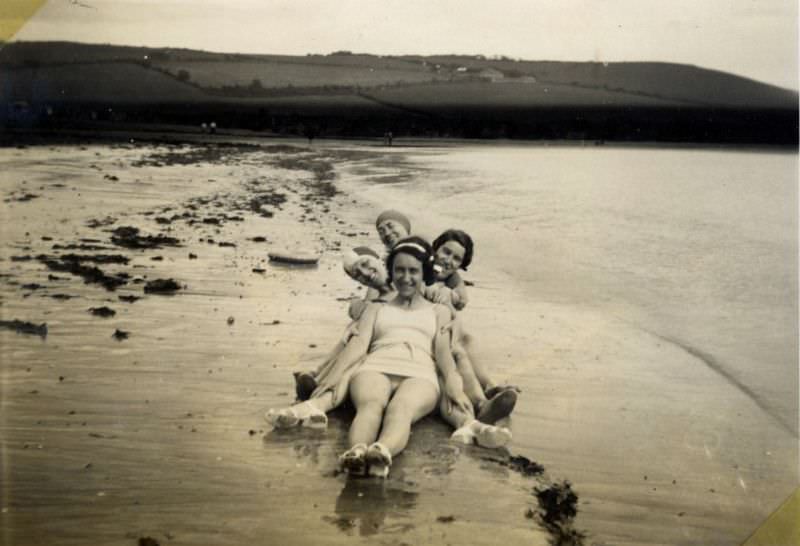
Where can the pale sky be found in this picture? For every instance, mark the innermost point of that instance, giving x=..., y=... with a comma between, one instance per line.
x=753, y=38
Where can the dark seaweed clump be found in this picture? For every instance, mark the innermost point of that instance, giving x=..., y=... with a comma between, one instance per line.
x=161, y=286
x=104, y=311
x=558, y=505
x=129, y=237
x=90, y=274
x=25, y=327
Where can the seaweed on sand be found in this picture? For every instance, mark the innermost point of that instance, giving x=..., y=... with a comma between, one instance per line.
x=129, y=237
x=161, y=286
x=558, y=508
x=90, y=274
x=25, y=327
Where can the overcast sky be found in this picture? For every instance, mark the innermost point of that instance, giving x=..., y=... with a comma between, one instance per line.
x=752, y=38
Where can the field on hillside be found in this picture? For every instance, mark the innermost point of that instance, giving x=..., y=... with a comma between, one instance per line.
x=273, y=74
x=509, y=94
x=112, y=82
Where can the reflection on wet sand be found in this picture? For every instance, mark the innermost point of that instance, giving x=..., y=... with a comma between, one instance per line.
x=366, y=503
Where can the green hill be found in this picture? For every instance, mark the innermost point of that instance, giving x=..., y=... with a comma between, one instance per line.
x=414, y=93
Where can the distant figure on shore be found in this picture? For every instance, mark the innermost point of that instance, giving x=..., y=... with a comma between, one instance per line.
x=387, y=138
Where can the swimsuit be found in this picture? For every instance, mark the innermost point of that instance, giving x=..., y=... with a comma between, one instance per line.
x=403, y=343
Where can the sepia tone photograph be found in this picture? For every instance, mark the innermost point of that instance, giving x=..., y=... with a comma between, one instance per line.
x=401, y=273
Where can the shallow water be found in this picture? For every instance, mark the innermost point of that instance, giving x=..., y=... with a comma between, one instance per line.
x=697, y=246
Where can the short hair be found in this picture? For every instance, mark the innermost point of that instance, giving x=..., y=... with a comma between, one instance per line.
x=419, y=249
x=462, y=238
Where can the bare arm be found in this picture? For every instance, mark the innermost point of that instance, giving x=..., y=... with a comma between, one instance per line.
x=459, y=297
x=358, y=345
x=454, y=386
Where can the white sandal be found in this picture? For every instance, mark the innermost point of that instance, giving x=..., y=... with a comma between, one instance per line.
x=353, y=461
x=379, y=460
x=492, y=436
x=305, y=414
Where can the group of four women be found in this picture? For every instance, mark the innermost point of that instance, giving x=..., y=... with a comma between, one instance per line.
x=404, y=353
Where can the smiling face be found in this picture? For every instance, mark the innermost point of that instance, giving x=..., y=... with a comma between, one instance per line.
x=391, y=231
x=406, y=274
x=448, y=259
x=369, y=271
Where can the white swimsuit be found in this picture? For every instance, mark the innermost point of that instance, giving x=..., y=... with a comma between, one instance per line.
x=403, y=343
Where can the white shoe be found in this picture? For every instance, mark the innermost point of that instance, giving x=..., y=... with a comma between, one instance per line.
x=463, y=435
x=305, y=414
x=492, y=436
x=379, y=460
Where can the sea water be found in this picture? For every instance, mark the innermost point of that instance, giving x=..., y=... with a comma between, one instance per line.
x=696, y=246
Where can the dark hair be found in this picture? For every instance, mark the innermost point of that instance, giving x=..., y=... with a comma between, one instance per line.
x=461, y=238
x=419, y=249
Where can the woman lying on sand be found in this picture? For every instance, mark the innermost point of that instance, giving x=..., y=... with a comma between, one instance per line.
x=364, y=266
x=397, y=384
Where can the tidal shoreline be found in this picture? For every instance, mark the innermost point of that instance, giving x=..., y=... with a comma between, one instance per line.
x=160, y=433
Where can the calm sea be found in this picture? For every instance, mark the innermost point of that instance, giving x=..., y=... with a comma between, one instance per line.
x=697, y=246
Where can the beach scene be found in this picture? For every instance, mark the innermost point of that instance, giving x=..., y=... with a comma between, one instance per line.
x=642, y=295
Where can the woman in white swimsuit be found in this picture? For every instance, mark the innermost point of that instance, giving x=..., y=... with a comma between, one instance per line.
x=405, y=342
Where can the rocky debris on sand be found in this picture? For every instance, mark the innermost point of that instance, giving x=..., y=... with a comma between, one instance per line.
x=525, y=466
x=104, y=311
x=97, y=258
x=518, y=463
x=95, y=223
x=82, y=246
x=119, y=335
x=21, y=198
x=129, y=237
x=89, y=274
x=446, y=519
x=161, y=286
x=22, y=327
x=147, y=541
x=128, y=299
x=62, y=297
x=32, y=286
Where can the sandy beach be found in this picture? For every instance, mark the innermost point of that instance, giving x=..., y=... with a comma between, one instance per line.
x=145, y=420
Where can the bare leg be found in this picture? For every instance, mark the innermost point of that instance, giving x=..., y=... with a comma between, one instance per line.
x=370, y=393
x=472, y=386
x=414, y=399
x=482, y=375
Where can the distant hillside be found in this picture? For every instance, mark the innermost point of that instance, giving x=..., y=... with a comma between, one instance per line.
x=442, y=95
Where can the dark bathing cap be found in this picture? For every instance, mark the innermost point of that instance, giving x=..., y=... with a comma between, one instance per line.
x=395, y=215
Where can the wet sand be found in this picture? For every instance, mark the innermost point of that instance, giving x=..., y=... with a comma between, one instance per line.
x=160, y=434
